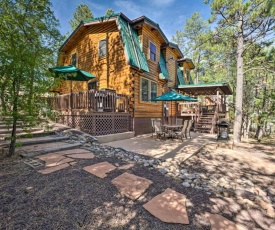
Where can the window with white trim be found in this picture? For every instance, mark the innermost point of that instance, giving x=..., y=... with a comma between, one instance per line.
x=152, y=51
x=148, y=90
x=102, y=48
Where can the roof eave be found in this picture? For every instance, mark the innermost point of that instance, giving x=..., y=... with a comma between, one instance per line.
x=145, y=20
x=92, y=22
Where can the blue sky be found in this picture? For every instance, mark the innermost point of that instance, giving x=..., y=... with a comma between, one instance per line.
x=169, y=14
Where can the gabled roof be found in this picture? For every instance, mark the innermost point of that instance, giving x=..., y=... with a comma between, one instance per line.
x=152, y=24
x=133, y=49
x=188, y=60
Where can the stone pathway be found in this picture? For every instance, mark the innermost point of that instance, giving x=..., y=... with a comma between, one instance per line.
x=100, y=170
x=169, y=206
x=130, y=185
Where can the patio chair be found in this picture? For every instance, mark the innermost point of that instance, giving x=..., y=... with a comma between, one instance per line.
x=182, y=133
x=152, y=124
x=179, y=122
x=189, y=126
x=159, y=129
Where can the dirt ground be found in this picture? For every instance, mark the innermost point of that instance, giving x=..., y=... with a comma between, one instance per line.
x=74, y=199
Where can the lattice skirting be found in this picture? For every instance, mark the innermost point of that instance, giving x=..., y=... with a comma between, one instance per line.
x=98, y=123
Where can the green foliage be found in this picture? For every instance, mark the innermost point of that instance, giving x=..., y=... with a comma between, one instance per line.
x=82, y=12
x=28, y=40
x=109, y=12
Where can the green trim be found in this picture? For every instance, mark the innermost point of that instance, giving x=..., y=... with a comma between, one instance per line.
x=164, y=74
x=130, y=38
x=100, y=18
x=180, y=76
x=202, y=85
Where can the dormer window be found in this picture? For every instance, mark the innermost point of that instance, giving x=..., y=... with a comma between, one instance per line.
x=102, y=48
x=153, y=51
x=74, y=59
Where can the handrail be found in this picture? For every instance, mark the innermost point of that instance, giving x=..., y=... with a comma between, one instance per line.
x=91, y=100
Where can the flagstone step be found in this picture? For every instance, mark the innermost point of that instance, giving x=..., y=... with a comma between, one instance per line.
x=130, y=185
x=169, y=207
x=100, y=169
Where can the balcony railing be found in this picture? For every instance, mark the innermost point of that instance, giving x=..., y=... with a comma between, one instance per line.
x=92, y=100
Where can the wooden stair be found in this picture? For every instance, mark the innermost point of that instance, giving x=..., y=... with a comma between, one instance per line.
x=204, y=124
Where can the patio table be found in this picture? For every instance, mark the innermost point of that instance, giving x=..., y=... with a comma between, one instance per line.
x=171, y=128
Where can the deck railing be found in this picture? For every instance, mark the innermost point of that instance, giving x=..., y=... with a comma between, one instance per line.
x=92, y=100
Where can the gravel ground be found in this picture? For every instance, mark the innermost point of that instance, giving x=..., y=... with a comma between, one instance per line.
x=74, y=199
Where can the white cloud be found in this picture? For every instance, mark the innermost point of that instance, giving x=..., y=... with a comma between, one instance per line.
x=129, y=8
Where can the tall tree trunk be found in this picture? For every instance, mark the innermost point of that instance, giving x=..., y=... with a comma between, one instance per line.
x=239, y=87
x=15, y=117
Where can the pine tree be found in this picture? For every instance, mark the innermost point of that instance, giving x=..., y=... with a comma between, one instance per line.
x=82, y=12
x=250, y=21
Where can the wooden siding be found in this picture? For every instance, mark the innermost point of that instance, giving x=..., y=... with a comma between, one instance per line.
x=113, y=71
x=110, y=71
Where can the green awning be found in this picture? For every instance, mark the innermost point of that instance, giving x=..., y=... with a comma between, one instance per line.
x=163, y=69
x=173, y=96
x=71, y=73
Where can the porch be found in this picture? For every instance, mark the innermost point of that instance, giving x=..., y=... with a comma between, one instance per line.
x=210, y=108
x=97, y=112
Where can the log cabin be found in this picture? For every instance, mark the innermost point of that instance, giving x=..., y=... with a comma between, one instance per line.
x=133, y=62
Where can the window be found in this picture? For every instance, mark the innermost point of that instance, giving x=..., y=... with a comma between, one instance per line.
x=153, y=51
x=102, y=48
x=92, y=85
x=148, y=90
x=74, y=59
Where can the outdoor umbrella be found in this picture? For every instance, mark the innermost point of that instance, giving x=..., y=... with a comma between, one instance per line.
x=173, y=96
x=71, y=73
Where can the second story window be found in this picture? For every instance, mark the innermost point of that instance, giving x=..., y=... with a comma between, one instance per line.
x=153, y=51
x=74, y=59
x=102, y=48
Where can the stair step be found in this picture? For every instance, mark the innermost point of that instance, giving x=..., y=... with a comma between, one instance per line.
x=37, y=140
x=10, y=126
x=37, y=152
x=40, y=133
x=19, y=130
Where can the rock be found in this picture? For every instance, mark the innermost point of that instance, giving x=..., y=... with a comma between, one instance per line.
x=146, y=164
x=186, y=184
x=28, y=189
x=270, y=192
x=245, y=194
x=266, y=206
x=163, y=171
x=248, y=182
x=183, y=171
x=116, y=164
